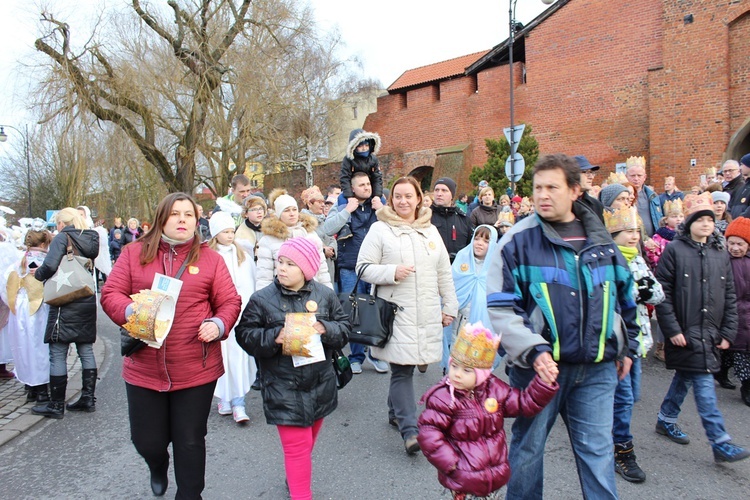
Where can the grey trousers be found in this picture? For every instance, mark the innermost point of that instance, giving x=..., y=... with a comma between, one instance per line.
x=58, y=357
x=401, y=402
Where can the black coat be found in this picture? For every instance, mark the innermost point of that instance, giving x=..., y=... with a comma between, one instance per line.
x=76, y=321
x=454, y=227
x=700, y=302
x=293, y=396
x=127, y=236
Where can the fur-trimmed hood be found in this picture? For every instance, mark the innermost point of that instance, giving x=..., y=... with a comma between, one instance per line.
x=390, y=217
x=272, y=226
x=358, y=135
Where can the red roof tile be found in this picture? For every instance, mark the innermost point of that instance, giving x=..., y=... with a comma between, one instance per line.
x=437, y=71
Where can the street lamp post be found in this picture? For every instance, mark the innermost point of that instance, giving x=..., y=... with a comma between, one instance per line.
x=25, y=134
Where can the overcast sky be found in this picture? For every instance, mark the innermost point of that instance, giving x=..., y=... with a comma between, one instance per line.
x=389, y=36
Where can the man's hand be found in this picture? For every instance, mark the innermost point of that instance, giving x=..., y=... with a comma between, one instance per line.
x=546, y=368
x=351, y=205
x=376, y=203
x=623, y=367
x=678, y=340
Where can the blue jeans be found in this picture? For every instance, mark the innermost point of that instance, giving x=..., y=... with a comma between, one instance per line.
x=705, y=401
x=585, y=402
x=627, y=393
x=347, y=279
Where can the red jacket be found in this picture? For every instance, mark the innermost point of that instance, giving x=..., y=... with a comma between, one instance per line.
x=207, y=292
x=465, y=439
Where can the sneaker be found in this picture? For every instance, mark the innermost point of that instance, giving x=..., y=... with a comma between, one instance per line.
x=659, y=351
x=672, y=431
x=380, y=365
x=411, y=445
x=356, y=367
x=728, y=452
x=625, y=464
x=393, y=421
x=225, y=408
x=239, y=414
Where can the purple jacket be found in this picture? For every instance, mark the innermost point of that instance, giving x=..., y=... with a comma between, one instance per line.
x=741, y=271
x=465, y=439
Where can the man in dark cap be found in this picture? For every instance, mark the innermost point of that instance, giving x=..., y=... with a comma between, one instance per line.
x=455, y=228
x=588, y=172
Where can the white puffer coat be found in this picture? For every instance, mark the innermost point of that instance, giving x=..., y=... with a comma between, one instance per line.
x=275, y=233
x=417, y=330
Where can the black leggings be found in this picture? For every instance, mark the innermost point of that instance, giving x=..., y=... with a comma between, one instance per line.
x=179, y=417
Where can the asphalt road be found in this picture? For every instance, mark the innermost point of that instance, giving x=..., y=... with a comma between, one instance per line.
x=358, y=455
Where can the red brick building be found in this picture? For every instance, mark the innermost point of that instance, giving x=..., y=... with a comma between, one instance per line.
x=665, y=79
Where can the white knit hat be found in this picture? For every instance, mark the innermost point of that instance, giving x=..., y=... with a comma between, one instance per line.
x=219, y=222
x=283, y=202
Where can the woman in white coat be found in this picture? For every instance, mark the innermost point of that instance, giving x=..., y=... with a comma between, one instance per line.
x=285, y=224
x=410, y=266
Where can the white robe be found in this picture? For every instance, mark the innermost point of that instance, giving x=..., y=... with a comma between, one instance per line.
x=25, y=337
x=239, y=367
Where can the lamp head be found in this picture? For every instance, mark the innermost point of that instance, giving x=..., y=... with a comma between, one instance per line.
x=548, y=2
x=3, y=135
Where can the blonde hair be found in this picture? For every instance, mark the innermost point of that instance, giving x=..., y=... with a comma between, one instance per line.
x=486, y=190
x=241, y=255
x=70, y=216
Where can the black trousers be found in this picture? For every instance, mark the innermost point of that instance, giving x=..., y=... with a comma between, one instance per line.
x=179, y=417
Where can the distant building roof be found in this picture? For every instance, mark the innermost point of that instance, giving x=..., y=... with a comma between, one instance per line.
x=437, y=71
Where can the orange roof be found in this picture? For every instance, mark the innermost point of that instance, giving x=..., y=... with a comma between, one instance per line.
x=437, y=71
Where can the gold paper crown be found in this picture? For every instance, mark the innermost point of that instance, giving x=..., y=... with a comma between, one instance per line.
x=636, y=161
x=148, y=322
x=525, y=201
x=473, y=348
x=673, y=207
x=506, y=217
x=698, y=202
x=616, y=178
x=622, y=219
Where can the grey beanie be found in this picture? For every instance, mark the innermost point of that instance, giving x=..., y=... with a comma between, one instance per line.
x=608, y=194
x=721, y=196
x=449, y=183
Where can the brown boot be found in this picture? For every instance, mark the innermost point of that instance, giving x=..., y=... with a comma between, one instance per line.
x=659, y=351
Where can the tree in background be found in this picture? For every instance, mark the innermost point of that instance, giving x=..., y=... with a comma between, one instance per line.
x=493, y=170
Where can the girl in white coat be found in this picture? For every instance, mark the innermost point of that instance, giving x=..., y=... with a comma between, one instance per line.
x=410, y=266
x=239, y=367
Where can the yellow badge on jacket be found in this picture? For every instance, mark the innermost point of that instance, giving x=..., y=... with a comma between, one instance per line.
x=464, y=267
x=490, y=405
x=432, y=245
x=193, y=269
x=311, y=306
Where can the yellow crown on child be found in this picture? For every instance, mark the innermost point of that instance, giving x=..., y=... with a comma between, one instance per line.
x=698, y=203
x=622, y=219
x=506, y=218
x=673, y=207
x=616, y=178
x=475, y=346
x=636, y=161
x=525, y=201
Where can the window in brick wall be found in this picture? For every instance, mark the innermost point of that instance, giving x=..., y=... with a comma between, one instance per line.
x=437, y=91
x=523, y=74
x=403, y=100
x=474, y=84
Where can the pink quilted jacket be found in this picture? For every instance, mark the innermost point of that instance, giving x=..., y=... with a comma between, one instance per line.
x=465, y=439
x=207, y=292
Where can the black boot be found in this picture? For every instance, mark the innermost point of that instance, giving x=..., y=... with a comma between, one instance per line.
x=87, y=401
x=56, y=407
x=723, y=378
x=159, y=478
x=625, y=463
x=745, y=392
x=42, y=394
x=30, y=394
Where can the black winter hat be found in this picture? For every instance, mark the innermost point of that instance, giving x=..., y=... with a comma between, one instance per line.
x=449, y=183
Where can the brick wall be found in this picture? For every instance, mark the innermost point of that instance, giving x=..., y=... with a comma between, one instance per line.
x=607, y=79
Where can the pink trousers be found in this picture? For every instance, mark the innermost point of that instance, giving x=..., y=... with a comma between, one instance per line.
x=298, y=444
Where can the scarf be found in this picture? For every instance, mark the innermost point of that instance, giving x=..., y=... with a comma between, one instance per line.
x=666, y=233
x=629, y=253
x=470, y=282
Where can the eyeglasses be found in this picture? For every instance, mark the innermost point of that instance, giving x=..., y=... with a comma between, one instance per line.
x=589, y=173
x=256, y=209
x=730, y=170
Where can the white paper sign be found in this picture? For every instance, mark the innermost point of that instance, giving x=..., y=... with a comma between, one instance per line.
x=317, y=354
x=165, y=284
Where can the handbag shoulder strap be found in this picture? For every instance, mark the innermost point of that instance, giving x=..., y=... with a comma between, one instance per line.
x=359, y=277
x=182, y=268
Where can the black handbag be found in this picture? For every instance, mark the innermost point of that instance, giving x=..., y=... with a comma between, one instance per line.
x=342, y=368
x=371, y=317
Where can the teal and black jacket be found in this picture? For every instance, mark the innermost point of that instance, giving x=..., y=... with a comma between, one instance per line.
x=543, y=296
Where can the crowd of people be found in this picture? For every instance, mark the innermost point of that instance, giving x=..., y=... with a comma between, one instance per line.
x=564, y=284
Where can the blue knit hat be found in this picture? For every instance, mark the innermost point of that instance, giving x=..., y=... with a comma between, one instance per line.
x=608, y=194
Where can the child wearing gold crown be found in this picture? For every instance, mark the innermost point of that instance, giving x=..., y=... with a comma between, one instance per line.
x=461, y=429
x=625, y=227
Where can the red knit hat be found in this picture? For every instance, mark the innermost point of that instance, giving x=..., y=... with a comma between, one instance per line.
x=739, y=227
x=304, y=253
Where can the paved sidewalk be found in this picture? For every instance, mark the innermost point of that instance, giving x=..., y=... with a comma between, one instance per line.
x=15, y=412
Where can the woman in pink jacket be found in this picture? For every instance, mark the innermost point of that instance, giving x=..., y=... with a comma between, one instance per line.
x=170, y=389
